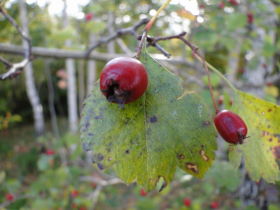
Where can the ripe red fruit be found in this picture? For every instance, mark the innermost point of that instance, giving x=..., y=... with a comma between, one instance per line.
x=74, y=193
x=231, y=127
x=250, y=18
x=221, y=5
x=214, y=205
x=49, y=152
x=88, y=16
x=143, y=192
x=9, y=197
x=233, y=2
x=123, y=80
x=187, y=202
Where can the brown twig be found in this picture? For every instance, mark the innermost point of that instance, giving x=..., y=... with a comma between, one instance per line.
x=16, y=68
x=120, y=32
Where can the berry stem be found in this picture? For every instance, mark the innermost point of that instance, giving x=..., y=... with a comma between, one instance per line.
x=205, y=64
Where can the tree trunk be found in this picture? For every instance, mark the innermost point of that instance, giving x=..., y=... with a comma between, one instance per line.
x=29, y=79
x=71, y=84
x=51, y=95
x=91, y=69
x=111, y=30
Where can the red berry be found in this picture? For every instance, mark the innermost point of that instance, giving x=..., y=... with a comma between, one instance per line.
x=9, y=197
x=214, y=205
x=143, y=192
x=74, y=193
x=221, y=100
x=49, y=152
x=187, y=202
x=233, y=2
x=231, y=127
x=250, y=18
x=221, y=5
x=88, y=16
x=123, y=80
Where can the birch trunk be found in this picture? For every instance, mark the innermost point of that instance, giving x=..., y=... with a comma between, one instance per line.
x=71, y=84
x=29, y=79
x=91, y=69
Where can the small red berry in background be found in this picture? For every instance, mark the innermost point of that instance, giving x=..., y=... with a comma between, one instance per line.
x=250, y=18
x=187, y=202
x=143, y=192
x=233, y=2
x=201, y=6
x=221, y=5
x=9, y=197
x=88, y=16
x=214, y=205
x=74, y=193
x=82, y=208
x=123, y=80
x=221, y=100
x=49, y=152
x=231, y=127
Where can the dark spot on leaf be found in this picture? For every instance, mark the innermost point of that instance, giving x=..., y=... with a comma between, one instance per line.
x=164, y=184
x=269, y=110
x=100, y=166
x=100, y=157
x=277, y=152
x=90, y=134
x=98, y=117
x=87, y=146
x=127, y=151
x=191, y=166
x=203, y=155
x=206, y=123
x=270, y=139
x=153, y=119
x=180, y=156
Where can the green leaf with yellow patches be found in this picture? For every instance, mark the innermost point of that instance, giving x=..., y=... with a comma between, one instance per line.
x=149, y=138
x=262, y=148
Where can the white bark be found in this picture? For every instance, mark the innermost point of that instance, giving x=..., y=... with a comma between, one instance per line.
x=71, y=84
x=29, y=79
x=110, y=27
x=91, y=70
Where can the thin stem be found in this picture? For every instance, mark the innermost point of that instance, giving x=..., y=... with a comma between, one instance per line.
x=148, y=27
x=151, y=22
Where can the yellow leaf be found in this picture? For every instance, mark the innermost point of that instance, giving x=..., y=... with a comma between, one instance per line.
x=186, y=14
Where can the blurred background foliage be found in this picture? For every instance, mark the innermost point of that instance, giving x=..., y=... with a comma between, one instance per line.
x=239, y=38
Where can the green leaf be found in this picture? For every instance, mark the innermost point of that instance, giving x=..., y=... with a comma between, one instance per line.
x=262, y=147
x=236, y=21
x=148, y=138
x=224, y=175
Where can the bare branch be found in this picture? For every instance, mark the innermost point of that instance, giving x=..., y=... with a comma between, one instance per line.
x=16, y=68
x=5, y=62
x=130, y=30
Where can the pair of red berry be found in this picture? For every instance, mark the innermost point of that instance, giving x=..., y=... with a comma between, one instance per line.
x=124, y=80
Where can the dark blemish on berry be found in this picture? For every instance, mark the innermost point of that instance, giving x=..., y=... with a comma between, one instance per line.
x=269, y=110
x=100, y=157
x=206, y=123
x=276, y=151
x=87, y=146
x=127, y=151
x=203, y=155
x=180, y=156
x=153, y=119
x=192, y=167
x=100, y=166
